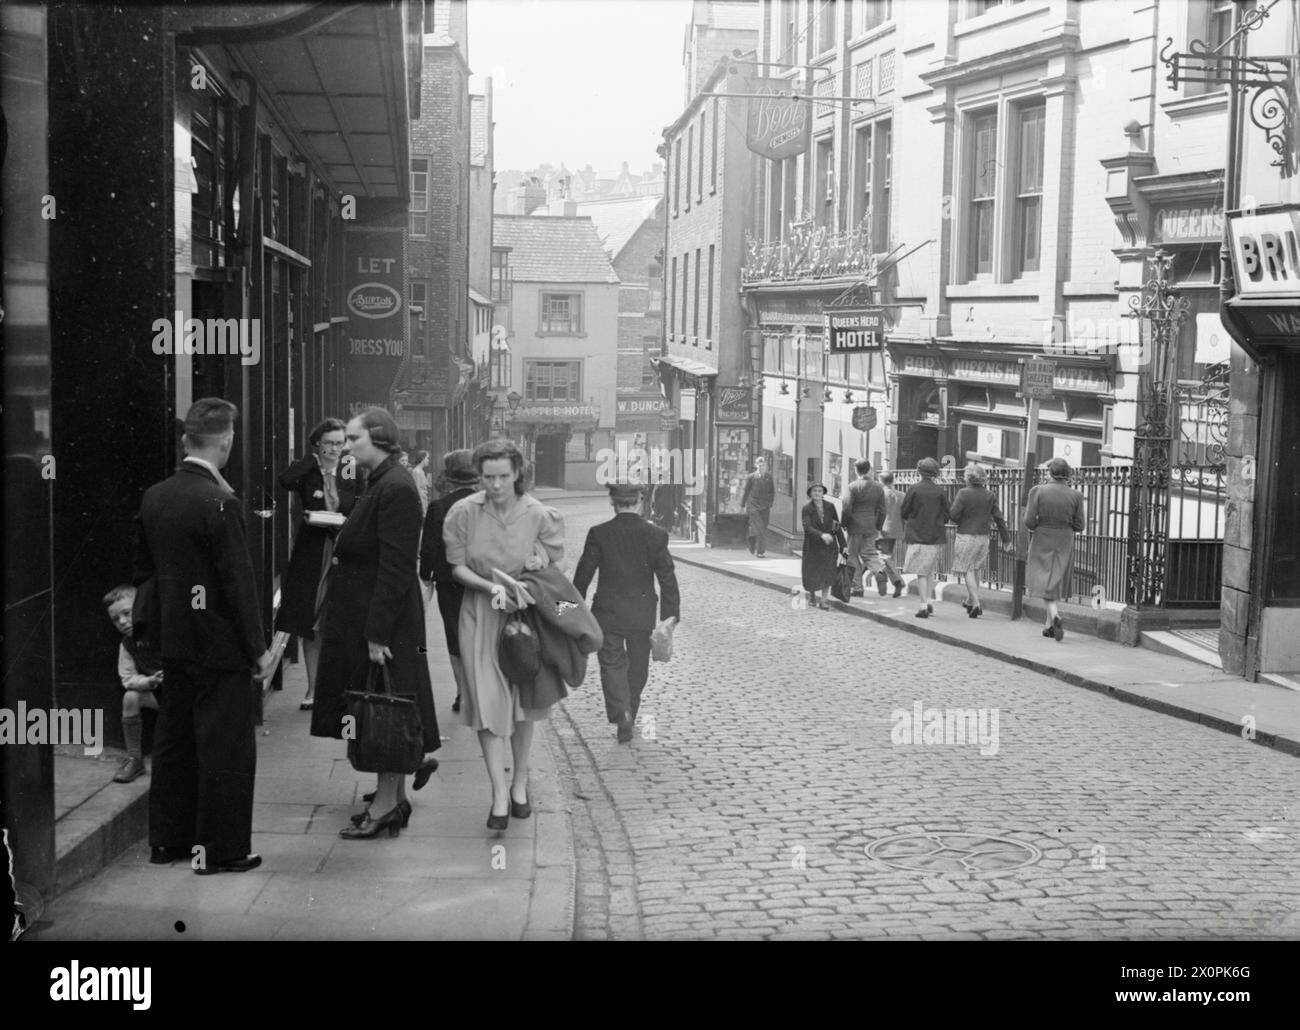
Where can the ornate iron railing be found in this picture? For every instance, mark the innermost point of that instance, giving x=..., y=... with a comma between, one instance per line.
x=1191, y=555
x=811, y=252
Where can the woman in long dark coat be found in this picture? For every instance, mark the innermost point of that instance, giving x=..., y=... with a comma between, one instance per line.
x=821, y=549
x=374, y=611
x=1055, y=512
x=321, y=483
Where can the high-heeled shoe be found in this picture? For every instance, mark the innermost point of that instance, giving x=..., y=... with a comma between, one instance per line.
x=975, y=612
x=427, y=768
x=370, y=828
x=404, y=806
x=498, y=822
x=520, y=811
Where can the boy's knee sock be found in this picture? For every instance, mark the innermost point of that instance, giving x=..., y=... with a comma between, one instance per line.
x=133, y=731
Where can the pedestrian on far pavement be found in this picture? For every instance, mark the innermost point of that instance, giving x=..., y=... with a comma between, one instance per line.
x=974, y=510
x=1055, y=512
x=925, y=511
x=892, y=530
x=205, y=749
x=419, y=465
x=374, y=614
x=628, y=554
x=757, y=500
x=458, y=480
x=821, y=546
x=864, y=511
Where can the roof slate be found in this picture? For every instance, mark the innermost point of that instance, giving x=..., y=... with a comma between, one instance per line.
x=548, y=249
x=618, y=220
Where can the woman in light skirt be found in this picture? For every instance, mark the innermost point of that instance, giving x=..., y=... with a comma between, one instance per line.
x=975, y=508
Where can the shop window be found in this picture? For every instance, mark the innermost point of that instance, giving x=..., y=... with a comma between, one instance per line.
x=1283, y=570
x=834, y=474
x=420, y=197
x=561, y=314
x=734, y=449
x=553, y=381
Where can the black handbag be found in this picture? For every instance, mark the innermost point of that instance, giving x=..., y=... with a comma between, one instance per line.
x=388, y=735
x=842, y=585
x=518, y=652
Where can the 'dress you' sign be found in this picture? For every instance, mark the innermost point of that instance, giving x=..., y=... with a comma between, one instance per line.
x=376, y=334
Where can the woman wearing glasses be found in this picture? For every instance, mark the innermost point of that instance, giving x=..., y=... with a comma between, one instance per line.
x=322, y=483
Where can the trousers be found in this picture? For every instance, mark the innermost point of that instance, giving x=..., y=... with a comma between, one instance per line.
x=624, y=668
x=863, y=555
x=757, y=532
x=204, y=761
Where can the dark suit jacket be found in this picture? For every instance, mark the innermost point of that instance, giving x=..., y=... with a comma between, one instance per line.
x=192, y=535
x=760, y=491
x=864, y=507
x=629, y=554
x=433, y=549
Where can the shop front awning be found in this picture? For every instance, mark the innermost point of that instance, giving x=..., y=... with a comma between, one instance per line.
x=688, y=366
x=344, y=80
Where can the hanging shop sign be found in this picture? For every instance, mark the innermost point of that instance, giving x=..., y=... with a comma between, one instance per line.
x=735, y=404
x=864, y=419
x=777, y=126
x=1266, y=253
x=855, y=331
x=687, y=401
x=376, y=335
x=668, y=419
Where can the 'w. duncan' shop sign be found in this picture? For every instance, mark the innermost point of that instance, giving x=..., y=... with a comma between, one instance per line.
x=853, y=332
x=777, y=126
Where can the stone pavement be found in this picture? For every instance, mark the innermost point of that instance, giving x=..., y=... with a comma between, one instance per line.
x=777, y=790
x=1267, y=712
x=445, y=877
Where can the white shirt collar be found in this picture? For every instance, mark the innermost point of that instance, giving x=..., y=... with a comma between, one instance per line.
x=203, y=462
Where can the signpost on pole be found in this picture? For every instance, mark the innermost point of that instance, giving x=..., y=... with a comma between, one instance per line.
x=1036, y=385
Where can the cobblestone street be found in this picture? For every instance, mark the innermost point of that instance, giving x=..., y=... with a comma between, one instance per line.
x=765, y=768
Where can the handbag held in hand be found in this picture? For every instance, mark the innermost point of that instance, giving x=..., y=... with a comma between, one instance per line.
x=388, y=733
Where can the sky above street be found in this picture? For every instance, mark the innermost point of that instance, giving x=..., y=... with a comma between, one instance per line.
x=579, y=81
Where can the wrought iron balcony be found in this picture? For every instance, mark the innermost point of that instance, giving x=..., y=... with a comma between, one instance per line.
x=808, y=251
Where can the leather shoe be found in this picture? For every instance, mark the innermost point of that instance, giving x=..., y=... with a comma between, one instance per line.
x=159, y=855
x=235, y=865
x=625, y=729
x=427, y=768
x=898, y=588
x=518, y=811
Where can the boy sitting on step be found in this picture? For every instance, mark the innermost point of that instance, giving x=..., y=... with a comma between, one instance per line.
x=140, y=670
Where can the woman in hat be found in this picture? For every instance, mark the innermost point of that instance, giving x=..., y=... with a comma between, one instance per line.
x=1055, y=512
x=925, y=513
x=459, y=479
x=975, y=510
x=821, y=547
x=374, y=613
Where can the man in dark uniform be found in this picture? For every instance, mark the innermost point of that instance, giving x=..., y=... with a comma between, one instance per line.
x=757, y=499
x=205, y=621
x=629, y=553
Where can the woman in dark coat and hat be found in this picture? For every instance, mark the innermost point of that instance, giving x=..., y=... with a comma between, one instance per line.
x=1055, y=512
x=821, y=547
x=374, y=612
x=321, y=482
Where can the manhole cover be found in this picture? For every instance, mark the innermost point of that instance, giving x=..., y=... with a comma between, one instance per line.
x=951, y=852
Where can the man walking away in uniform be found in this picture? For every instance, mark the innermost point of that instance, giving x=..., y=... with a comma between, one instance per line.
x=864, y=512
x=209, y=631
x=629, y=554
x=757, y=500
